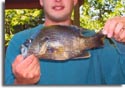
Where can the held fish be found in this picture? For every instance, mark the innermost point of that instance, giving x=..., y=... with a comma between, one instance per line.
x=60, y=42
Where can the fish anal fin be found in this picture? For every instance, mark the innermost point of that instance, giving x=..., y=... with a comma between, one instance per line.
x=83, y=55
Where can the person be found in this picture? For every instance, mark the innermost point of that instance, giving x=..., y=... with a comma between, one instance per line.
x=105, y=66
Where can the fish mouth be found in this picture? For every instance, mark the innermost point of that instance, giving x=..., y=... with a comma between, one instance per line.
x=58, y=8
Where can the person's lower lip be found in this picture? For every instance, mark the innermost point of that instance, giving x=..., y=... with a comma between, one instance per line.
x=58, y=8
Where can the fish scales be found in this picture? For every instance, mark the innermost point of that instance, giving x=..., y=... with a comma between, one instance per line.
x=60, y=42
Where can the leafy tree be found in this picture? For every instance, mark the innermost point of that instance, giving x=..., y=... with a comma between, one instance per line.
x=94, y=13
x=19, y=19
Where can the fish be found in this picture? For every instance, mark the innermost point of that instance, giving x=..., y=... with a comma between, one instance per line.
x=61, y=42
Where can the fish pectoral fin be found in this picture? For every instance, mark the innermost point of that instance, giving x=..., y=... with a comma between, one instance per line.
x=43, y=48
x=83, y=55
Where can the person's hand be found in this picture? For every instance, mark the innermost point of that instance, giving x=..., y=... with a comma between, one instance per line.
x=26, y=71
x=115, y=28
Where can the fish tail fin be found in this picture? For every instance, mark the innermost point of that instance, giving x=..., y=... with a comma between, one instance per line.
x=94, y=41
x=98, y=39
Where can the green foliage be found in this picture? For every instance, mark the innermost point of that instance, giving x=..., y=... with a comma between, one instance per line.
x=94, y=13
x=19, y=19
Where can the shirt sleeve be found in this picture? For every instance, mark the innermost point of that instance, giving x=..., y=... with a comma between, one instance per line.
x=11, y=53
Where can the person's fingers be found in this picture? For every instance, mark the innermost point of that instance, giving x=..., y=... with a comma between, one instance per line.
x=122, y=35
x=31, y=73
x=32, y=65
x=109, y=25
x=111, y=28
x=18, y=60
x=118, y=29
x=106, y=27
x=32, y=69
x=31, y=76
x=36, y=74
x=26, y=62
x=114, y=28
x=20, y=68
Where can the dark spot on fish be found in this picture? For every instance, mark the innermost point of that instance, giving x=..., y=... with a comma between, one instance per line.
x=50, y=50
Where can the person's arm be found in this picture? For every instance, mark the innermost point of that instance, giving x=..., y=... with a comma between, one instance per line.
x=13, y=50
x=115, y=29
x=20, y=70
x=17, y=69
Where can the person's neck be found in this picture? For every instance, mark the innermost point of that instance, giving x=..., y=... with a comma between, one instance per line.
x=49, y=22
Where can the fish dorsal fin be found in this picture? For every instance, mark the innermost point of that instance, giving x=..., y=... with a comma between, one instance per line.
x=78, y=29
x=83, y=55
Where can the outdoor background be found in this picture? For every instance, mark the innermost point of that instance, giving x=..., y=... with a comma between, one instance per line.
x=93, y=14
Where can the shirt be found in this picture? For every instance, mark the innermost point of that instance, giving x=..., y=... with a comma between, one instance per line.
x=105, y=66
